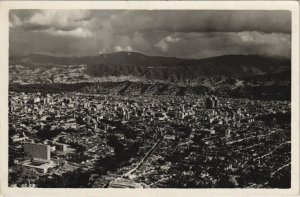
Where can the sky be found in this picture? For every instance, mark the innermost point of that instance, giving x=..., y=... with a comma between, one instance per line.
x=177, y=33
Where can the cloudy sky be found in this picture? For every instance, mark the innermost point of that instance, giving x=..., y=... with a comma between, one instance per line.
x=186, y=34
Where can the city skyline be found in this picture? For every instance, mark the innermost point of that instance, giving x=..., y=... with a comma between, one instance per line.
x=117, y=110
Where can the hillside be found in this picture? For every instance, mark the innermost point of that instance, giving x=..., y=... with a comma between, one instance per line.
x=123, y=73
x=161, y=68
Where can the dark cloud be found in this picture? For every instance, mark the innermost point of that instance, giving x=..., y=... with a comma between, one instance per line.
x=225, y=21
x=129, y=21
x=220, y=43
x=35, y=27
x=192, y=34
x=202, y=21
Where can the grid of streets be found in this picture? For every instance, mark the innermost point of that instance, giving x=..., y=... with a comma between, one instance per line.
x=157, y=141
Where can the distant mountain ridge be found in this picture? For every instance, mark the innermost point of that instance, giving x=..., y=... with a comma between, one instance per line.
x=169, y=69
x=129, y=73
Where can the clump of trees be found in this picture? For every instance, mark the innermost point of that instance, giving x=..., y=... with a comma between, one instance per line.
x=72, y=179
x=123, y=152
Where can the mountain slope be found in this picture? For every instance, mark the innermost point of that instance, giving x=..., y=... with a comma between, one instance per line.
x=164, y=68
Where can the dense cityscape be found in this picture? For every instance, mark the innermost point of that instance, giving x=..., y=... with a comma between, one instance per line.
x=151, y=98
x=88, y=140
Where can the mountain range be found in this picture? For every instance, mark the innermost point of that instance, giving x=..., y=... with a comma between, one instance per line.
x=228, y=74
x=166, y=68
